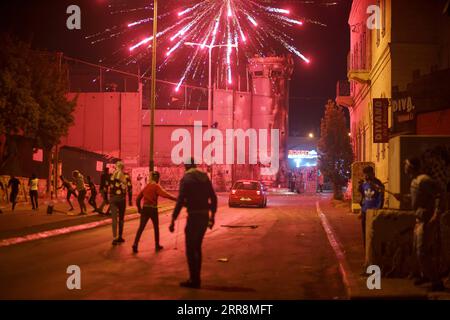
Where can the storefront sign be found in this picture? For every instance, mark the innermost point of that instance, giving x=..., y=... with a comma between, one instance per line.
x=302, y=154
x=380, y=120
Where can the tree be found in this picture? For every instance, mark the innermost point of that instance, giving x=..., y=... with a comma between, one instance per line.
x=335, y=149
x=33, y=102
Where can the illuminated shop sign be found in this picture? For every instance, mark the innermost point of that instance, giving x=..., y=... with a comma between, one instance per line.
x=302, y=154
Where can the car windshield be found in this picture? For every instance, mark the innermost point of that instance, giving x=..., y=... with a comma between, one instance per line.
x=246, y=186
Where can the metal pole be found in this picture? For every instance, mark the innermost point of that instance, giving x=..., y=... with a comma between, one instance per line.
x=210, y=92
x=153, y=92
x=210, y=89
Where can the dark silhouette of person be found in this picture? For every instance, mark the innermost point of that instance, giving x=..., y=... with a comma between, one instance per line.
x=33, y=183
x=2, y=188
x=93, y=194
x=425, y=197
x=70, y=191
x=198, y=196
x=150, y=194
x=13, y=183
x=104, y=183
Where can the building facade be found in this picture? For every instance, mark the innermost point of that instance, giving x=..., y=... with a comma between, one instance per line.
x=399, y=51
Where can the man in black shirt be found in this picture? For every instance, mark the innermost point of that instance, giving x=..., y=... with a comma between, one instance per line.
x=104, y=183
x=198, y=196
x=93, y=194
x=14, y=185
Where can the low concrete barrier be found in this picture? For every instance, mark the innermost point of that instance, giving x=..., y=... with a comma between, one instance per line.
x=389, y=241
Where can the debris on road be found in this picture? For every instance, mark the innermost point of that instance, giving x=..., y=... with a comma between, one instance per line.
x=250, y=227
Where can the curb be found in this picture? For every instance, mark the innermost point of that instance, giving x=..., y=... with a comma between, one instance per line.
x=67, y=230
x=344, y=269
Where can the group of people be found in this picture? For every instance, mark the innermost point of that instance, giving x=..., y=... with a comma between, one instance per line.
x=196, y=193
x=428, y=199
x=14, y=189
x=297, y=182
x=79, y=188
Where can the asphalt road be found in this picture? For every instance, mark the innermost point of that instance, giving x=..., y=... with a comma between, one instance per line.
x=287, y=256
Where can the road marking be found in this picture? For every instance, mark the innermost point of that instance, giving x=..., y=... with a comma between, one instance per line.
x=66, y=230
x=344, y=269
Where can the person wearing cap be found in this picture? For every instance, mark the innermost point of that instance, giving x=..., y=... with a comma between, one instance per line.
x=150, y=194
x=425, y=196
x=119, y=186
x=198, y=196
x=372, y=196
x=81, y=189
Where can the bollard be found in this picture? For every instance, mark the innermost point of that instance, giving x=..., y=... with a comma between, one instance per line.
x=50, y=208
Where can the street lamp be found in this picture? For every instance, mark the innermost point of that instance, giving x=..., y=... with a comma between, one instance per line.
x=153, y=89
x=311, y=135
x=210, y=49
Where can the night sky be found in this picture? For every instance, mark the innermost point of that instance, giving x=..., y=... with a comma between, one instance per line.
x=43, y=22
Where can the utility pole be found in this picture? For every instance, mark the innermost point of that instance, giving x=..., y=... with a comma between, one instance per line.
x=153, y=92
x=210, y=86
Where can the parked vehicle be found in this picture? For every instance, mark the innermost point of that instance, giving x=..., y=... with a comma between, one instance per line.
x=248, y=193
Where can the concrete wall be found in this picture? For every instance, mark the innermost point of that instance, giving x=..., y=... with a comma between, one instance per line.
x=107, y=123
x=389, y=241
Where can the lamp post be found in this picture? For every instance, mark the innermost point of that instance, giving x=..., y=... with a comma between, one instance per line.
x=210, y=89
x=153, y=89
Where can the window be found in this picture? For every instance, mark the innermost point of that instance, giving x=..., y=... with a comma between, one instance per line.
x=38, y=155
x=378, y=31
x=383, y=18
x=246, y=186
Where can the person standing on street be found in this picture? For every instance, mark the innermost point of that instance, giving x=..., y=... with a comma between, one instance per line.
x=34, y=186
x=372, y=196
x=119, y=186
x=81, y=189
x=197, y=194
x=320, y=181
x=150, y=195
x=93, y=194
x=425, y=199
x=14, y=184
x=2, y=189
x=70, y=191
x=104, y=183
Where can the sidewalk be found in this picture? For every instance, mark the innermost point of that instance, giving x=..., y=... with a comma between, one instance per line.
x=24, y=221
x=347, y=229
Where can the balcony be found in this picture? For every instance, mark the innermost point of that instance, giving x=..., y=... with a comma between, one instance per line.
x=357, y=70
x=343, y=95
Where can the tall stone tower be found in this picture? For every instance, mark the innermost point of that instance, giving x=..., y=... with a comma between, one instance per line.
x=270, y=103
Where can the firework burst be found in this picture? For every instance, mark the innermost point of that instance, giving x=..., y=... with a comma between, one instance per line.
x=238, y=29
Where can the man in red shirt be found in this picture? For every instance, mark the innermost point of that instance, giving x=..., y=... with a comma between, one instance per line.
x=150, y=195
